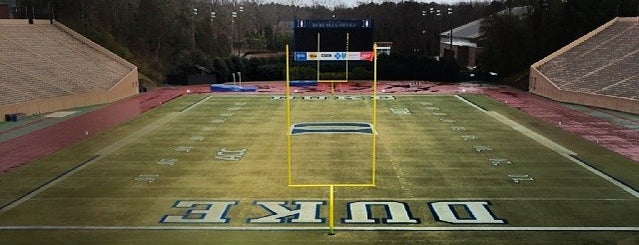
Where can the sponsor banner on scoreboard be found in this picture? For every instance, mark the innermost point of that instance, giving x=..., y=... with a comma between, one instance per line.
x=313, y=56
x=366, y=56
x=301, y=56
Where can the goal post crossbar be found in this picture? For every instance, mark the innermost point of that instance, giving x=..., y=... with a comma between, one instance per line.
x=289, y=124
x=331, y=205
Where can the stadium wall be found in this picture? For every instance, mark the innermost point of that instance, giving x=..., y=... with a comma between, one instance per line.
x=123, y=89
x=126, y=87
x=541, y=85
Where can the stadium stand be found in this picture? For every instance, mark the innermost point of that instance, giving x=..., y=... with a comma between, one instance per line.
x=599, y=69
x=47, y=67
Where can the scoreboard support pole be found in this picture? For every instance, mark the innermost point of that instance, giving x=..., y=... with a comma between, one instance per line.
x=347, y=45
x=318, y=60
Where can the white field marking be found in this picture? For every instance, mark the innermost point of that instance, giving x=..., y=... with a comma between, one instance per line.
x=520, y=128
x=248, y=200
x=47, y=185
x=469, y=103
x=531, y=134
x=553, y=146
x=147, y=177
x=605, y=176
x=198, y=103
x=342, y=228
x=106, y=151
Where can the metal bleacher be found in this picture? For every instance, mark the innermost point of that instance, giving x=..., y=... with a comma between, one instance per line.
x=40, y=61
x=604, y=64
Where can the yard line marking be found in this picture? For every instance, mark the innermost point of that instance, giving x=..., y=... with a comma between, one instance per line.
x=342, y=228
x=554, y=147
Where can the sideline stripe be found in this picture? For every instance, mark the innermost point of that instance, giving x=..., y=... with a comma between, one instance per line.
x=531, y=134
x=601, y=174
x=321, y=228
x=188, y=108
x=46, y=185
x=471, y=103
x=101, y=153
x=555, y=147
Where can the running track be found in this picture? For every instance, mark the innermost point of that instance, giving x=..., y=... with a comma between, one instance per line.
x=40, y=143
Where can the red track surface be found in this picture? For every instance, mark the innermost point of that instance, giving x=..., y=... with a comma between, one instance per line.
x=37, y=144
x=617, y=138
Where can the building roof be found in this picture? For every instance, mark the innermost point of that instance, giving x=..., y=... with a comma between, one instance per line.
x=459, y=42
x=472, y=30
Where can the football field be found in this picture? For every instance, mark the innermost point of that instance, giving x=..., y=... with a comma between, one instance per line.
x=229, y=169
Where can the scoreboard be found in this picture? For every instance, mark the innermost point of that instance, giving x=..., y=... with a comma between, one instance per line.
x=333, y=39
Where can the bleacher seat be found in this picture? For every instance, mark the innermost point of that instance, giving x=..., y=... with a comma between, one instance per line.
x=43, y=61
x=604, y=64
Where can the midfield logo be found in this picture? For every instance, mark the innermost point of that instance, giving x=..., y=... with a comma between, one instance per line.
x=359, y=212
x=332, y=128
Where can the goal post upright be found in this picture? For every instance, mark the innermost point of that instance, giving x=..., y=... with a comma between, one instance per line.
x=360, y=31
x=331, y=210
x=288, y=118
x=374, y=150
x=375, y=85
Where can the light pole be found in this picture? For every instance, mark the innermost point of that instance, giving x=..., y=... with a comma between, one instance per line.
x=239, y=32
x=425, y=31
x=431, y=33
x=437, y=35
x=450, y=12
x=234, y=15
x=193, y=29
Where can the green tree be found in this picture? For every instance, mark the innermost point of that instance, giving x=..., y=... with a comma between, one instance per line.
x=223, y=70
x=507, y=43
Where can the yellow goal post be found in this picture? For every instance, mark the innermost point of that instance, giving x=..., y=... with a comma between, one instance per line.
x=331, y=186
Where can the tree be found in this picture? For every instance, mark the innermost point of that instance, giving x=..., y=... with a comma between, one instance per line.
x=220, y=66
x=513, y=42
x=153, y=33
x=507, y=44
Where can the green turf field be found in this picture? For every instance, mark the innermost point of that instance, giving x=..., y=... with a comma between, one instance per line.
x=213, y=169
